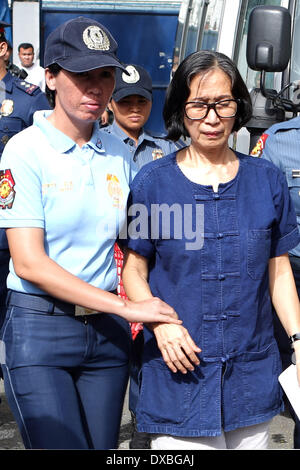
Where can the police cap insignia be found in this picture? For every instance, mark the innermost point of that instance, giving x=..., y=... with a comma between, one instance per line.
x=133, y=76
x=136, y=82
x=95, y=38
x=7, y=192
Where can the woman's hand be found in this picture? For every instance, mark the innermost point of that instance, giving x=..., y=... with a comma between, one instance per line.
x=152, y=310
x=177, y=347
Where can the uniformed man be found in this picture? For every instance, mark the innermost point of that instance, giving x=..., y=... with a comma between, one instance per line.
x=12, y=68
x=280, y=144
x=131, y=105
x=18, y=102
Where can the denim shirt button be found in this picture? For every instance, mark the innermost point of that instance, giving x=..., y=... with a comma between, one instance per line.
x=221, y=277
x=220, y=235
x=216, y=196
x=223, y=317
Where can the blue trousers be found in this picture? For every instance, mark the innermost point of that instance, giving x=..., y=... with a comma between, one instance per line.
x=65, y=377
x=135, y=368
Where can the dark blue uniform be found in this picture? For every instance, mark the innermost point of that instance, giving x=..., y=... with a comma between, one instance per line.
x=19, y=101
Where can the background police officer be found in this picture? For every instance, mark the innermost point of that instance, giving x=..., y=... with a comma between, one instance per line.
x=280, y=145
x=18, y=102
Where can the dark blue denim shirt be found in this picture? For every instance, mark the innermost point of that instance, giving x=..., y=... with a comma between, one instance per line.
x=220, y=291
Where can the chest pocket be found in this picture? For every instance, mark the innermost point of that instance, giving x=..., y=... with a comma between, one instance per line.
x=294, y=187
x=259, y=246
x=10, y=125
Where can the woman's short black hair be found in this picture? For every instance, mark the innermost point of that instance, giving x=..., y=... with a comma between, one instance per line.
x=179, y=90
x=50, y=94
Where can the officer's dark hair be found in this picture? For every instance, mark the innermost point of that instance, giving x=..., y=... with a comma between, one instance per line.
x=25, y=45
x=54, y=69
x=179, y=90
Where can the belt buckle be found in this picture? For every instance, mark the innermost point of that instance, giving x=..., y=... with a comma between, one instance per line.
x=82, y=311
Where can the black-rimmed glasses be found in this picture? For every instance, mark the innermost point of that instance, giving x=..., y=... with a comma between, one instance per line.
x=198, y=110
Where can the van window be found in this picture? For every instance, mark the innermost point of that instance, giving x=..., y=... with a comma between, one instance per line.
x=198, y=27
x=212, y=25
x=295, y=58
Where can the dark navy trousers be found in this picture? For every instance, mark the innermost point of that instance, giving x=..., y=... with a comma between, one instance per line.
x=65, y=377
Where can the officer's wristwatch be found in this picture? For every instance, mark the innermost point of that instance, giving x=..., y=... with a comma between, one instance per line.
x=293, y=338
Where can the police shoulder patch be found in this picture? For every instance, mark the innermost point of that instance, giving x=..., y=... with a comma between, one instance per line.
x=27, y=87
x=260, y=145
x=7, y=192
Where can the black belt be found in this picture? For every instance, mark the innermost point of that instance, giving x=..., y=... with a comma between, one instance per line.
x=41, y=303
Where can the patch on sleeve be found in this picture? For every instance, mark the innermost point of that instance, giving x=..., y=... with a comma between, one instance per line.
x=260, y=145
x=7, y=192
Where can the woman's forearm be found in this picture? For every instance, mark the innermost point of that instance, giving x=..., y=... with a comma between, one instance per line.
x=32, y=264
x=285, y=300
x=135, y=277
x=284, y=294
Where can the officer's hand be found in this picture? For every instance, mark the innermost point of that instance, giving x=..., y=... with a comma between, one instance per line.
x=152, y=310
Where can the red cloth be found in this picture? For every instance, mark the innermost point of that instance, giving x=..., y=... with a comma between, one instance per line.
x=118, y=255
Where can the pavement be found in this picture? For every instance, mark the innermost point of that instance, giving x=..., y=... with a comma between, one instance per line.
x=281, y=429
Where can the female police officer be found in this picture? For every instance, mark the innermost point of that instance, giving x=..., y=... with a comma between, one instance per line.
x=64, y=185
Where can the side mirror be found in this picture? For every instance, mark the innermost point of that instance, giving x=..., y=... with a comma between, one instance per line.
x=269, y=39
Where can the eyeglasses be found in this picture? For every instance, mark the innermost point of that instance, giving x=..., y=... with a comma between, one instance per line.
x=195, y=110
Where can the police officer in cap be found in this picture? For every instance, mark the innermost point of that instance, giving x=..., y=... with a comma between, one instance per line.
x=18, y=102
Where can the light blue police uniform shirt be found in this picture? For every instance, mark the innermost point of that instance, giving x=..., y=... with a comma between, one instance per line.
x=77, y=195
x=149, y=147
x=280, y=144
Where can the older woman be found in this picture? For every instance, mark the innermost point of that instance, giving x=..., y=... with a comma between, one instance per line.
x=211, y=382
